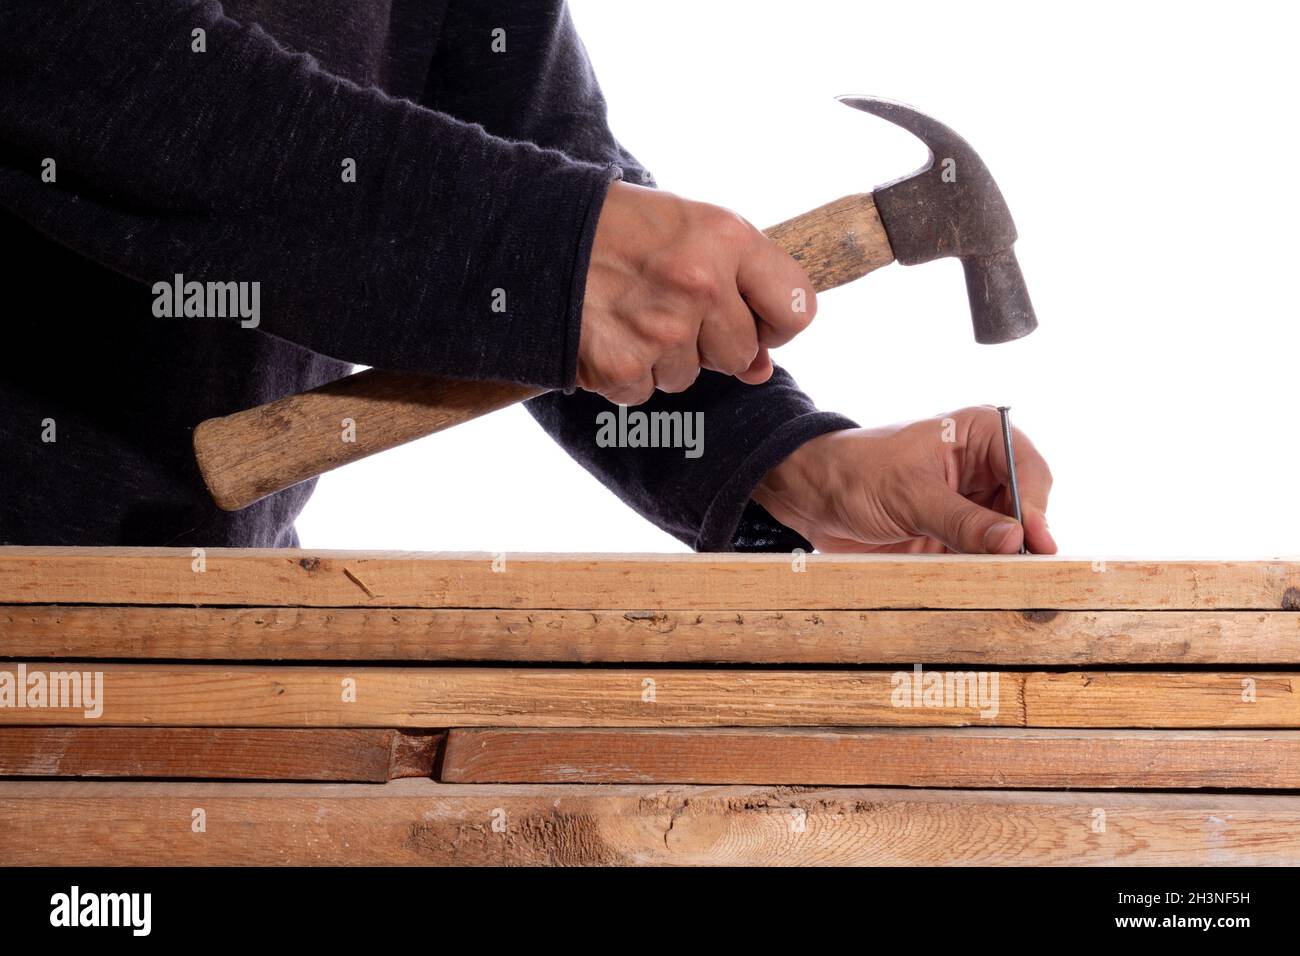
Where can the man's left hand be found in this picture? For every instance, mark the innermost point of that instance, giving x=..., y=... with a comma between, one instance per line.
x=933, y=486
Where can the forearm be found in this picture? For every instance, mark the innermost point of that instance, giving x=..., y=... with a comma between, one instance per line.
x=227, y=165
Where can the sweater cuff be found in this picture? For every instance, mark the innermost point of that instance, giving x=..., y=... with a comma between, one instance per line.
x=590, y=216
x=733, y=522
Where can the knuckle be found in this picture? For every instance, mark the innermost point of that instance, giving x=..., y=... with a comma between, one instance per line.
x=739, y=360
x=679, y=383
x=972, y=414
x=623, y=370
x=730, y=227
x=726, y=364
x=640, y=394
x=688, y=276
x=674, y=333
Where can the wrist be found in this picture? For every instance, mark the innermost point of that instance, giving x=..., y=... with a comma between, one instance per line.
x=796, y=490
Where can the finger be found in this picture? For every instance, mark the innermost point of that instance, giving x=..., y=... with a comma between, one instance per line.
x=634, y=393
x=1038, y=537
x=759, y=371
x=1035, y=481
x=1033, y=476
x=677, y=372
x=728, y=341
x=910, y=546
x=778, y=291
x=962, y=525
x=990, y=457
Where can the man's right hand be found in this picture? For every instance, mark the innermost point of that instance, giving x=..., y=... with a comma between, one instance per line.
x=675, y=286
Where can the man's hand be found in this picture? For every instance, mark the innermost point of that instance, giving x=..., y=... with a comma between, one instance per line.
x=675, y=286
x=928, y=486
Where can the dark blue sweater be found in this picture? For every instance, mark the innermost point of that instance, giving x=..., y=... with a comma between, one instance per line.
x=476, y=169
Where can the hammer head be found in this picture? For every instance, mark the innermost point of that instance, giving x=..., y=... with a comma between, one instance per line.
x=952, y=207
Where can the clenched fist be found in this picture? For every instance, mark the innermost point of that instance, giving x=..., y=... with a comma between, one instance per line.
x=675, y=286
x=936, y=485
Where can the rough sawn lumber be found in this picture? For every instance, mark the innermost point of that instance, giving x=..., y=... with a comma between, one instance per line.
x=283, y=578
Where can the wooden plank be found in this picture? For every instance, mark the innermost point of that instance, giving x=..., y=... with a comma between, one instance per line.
x=374, y=756
x=1008, y=638
x=1103, y=699
x=433, y=697
x=603, y=582
x=421, y=822
x=885, y=757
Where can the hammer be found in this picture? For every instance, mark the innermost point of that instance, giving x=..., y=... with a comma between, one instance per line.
x=949, y=207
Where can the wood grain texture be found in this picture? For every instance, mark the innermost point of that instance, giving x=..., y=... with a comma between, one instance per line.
x=1195, y=699
x=435, y=697
x=248, y=455
x=282, y=578
x=207, y=753
x=420, y=822
x=884, y=757
x=836, y=243
x=1005, y=638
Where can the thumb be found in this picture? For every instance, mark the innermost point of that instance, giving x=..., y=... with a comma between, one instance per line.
x=964, y=526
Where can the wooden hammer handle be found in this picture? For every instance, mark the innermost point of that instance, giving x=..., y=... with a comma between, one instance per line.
x=248, y=455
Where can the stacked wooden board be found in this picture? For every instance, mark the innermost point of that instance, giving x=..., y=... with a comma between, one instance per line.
x=164, y=706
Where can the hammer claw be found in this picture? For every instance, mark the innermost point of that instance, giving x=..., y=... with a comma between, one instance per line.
x=953, y=207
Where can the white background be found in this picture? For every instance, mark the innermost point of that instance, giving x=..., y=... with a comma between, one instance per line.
x=1148, y=153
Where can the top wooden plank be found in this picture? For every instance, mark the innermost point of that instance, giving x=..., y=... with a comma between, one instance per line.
x=283, y=578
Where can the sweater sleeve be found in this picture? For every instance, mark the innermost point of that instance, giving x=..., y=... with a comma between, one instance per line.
x=541, y=87
x=184, y=142
x=699, y=492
